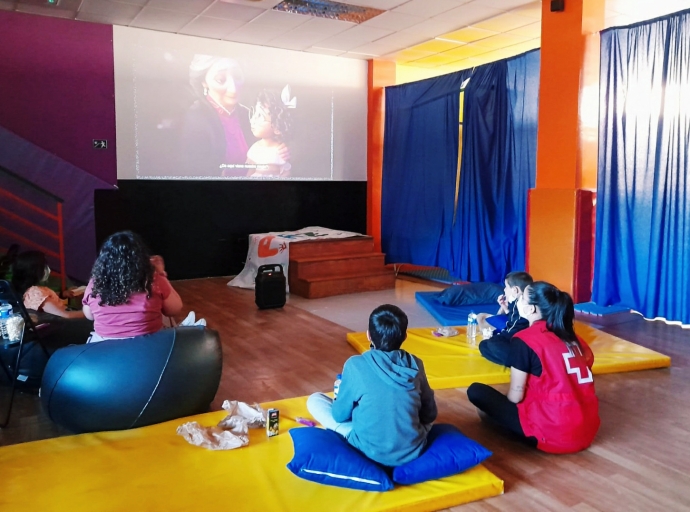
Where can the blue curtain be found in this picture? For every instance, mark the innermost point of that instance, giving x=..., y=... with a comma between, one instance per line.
x=420, y=160
x=642, y=251
x=498, y=167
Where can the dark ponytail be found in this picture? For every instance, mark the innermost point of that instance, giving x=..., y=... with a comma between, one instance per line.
x=556, y=308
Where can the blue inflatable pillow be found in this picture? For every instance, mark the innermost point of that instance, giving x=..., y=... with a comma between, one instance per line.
x=470, y=294
x=325, y=457
x=448, y=452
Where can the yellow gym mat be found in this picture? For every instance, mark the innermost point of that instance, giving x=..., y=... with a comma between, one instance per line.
x=152, y=469
x=454, y=363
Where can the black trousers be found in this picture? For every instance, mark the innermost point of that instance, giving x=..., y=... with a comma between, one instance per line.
x=499, y=409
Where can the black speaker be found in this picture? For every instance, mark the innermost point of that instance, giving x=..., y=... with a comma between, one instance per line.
x=269, y=287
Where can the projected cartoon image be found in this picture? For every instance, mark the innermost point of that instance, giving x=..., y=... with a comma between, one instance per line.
x=270, y=122
x=195, y=109
x=218, y=129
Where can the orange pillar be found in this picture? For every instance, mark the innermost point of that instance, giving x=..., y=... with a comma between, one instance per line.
x=560, y=207
x=381, y=74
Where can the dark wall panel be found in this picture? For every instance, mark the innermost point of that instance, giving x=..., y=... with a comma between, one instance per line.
x=201, y=227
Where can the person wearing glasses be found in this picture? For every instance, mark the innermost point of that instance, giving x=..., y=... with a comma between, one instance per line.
x=271, y=123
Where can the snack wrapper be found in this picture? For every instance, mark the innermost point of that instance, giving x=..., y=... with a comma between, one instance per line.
x=231, y=431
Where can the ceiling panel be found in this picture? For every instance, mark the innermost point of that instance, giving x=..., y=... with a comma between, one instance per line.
x=186, y=6
x=384, y=5
x=531, y=10
x=264, y=4
x=504, y=22
x=428, y=9
x=353, y=37
x=436, y=46
x=281, y=19
x=393, y=20
x=110, y=9
x=531, y=31
x=214, y=28
x=501, y=41
x=160, y=19
x=469, y=14
x=230, y=11
x=468, y=35
x=468, y=50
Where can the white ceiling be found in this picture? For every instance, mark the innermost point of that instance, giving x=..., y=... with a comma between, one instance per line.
x=396, y=34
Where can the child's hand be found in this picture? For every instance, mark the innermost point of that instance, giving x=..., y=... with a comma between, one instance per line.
x=284, y=152
x=502, y=301
x=158, y=265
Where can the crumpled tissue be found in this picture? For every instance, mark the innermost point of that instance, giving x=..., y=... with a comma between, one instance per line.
x=231, y=431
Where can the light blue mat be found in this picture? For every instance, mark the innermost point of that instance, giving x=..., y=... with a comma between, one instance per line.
x=450, y=315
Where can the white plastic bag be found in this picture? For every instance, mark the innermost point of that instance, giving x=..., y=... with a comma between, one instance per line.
x=231, y=431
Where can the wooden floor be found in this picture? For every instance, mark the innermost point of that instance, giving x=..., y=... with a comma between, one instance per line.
x=639, y=461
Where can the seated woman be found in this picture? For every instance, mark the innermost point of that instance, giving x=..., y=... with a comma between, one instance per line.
x=128, y=293
x=29, y=270
x=551, y=402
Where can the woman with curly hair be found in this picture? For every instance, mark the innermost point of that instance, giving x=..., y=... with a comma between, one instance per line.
x=128, y=293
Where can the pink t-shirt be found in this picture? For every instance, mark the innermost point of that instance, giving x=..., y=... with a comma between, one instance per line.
x=136, y=317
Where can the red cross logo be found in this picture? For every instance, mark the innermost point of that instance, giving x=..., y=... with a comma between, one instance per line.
x=576, y=363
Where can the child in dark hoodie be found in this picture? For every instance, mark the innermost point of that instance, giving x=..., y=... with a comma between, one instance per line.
x=497, y=348
x=384, y=405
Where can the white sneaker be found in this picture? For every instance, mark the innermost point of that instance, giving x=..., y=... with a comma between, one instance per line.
x=191, y=318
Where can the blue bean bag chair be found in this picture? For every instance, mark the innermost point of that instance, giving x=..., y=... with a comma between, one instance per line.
x=122, y=384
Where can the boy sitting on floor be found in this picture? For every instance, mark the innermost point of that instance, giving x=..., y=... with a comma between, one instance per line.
x=508, y=320
x=384, y=406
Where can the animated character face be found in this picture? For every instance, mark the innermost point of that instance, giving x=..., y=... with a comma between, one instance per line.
x=261, y=123
x=223, y=82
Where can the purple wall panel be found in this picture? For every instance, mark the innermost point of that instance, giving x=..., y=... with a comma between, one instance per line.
x=58, y=89
x=64, y=180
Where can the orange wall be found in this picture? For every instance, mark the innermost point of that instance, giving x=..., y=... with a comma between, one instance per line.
x=381, y=74
x=566, y=146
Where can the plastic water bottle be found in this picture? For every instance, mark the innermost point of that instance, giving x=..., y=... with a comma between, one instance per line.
x=472, y=327
x=5, y=314
x=336, y=384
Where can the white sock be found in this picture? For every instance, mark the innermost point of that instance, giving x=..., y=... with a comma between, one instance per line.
x=189, y=320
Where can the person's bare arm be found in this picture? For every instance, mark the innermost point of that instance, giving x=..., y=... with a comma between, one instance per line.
x=55, y=309
x=173, y=304
x=518, y=384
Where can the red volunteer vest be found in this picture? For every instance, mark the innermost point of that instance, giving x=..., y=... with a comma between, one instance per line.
x=560, y=407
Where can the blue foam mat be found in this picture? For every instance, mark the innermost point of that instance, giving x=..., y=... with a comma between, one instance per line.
x=450, y=315
x=593, y=309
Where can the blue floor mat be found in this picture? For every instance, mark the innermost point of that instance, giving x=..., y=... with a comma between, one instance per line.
x=592, y=309
x=450, y=315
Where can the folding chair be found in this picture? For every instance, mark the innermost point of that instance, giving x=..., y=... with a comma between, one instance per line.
x=31, y=332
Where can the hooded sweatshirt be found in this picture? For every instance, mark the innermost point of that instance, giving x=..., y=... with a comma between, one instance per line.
x=387, y=398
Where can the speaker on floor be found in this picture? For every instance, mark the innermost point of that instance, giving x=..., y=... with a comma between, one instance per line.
x=269, y=287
